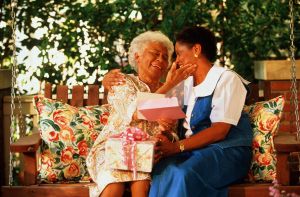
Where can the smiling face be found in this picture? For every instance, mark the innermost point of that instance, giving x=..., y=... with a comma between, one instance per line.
x=153, y=61
x=185, y=54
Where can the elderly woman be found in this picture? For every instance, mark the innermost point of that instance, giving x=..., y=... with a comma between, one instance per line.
x=150, y=54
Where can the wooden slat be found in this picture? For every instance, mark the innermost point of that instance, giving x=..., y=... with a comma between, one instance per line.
x=82, y=190
x=286, y=142
x=6, y=134
x=77, y=96
x=258, y=190
x=267, y=89
x=62, y=93
x=48, y=90
x=282, y=168
x=30, y=168
x=254, y=94
x=47, y=190
x=93, y=95
x=274, y=69
x=249, y=190
x=27, y=144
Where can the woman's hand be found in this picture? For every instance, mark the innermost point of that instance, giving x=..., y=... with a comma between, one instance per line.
x=164, y=147
x=166, y=124
x=113, y=78
x=175, y=76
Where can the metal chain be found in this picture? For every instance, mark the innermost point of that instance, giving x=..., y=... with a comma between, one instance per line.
x=21, y=119
x=294, y=96
x=13, y=94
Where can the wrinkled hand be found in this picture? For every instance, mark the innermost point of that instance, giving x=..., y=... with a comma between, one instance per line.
x=164, y=147
x=175, y=75
x=166, y=124
x=113, y=78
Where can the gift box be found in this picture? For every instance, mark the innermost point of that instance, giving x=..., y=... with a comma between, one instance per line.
x=134, y=156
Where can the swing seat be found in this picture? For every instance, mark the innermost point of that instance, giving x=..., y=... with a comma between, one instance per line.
x=28, y=146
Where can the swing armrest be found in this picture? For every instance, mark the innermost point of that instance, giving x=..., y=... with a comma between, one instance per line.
x=285, y=143
x=25, y=144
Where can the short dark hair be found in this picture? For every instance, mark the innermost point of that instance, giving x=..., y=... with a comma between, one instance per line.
x=200, y=35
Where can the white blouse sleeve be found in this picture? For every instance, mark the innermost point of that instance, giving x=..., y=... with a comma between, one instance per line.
x=228, y=99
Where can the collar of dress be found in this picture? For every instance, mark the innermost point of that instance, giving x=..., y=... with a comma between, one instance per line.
x=209, y=84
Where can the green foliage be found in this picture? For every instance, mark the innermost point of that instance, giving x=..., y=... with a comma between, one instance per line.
x=258, y=30
x=247, y=29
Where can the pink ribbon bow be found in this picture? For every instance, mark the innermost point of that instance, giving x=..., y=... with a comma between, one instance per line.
x=129, y=138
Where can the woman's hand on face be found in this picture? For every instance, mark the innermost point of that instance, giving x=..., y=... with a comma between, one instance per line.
x=164, y=147
x=176, y=75
x=113, y=78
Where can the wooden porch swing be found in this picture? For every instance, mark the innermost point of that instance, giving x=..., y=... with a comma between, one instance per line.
x=285, y=145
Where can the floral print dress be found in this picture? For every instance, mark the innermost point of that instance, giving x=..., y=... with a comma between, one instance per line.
x=123, y=103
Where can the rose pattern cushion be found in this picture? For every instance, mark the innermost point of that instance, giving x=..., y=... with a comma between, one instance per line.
x=67, y=135
x=265, y=117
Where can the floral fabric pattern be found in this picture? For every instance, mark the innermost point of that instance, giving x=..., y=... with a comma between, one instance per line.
x=123, y=103
x=265, y=117
x=67, y=133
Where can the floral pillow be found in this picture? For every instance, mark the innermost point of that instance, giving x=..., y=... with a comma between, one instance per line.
x=265, y=117
x=67, y=133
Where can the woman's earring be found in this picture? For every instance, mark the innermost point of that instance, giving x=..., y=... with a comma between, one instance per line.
x=195, y=55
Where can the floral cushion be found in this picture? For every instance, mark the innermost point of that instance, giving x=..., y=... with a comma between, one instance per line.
x=265, y=117
x=67, y=133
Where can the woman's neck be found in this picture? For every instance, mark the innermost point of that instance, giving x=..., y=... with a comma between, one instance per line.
x=203, y=67
x=153, y=84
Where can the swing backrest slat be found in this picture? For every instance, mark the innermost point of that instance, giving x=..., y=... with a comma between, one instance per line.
x=48, y=90
x=62, y=93
x=93, y=95
x=77, y=96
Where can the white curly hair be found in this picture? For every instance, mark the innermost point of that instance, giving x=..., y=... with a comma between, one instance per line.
x=139, y=43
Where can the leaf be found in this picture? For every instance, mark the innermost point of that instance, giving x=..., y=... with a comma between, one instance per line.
x=261, y=150
x=73, y=124
x=267, y=137
x=56, y=105
x=79, y=131
x=76, y=178
x=270, y=167
x=262, y=167
x=50, y=123
x=61, y=174
x=57, y=160
x=79, y=120
x=76, y=156
x=266, y=105
x=277, y=111
x=62, y=146
x=271, y=104
x=80, y=138
x=58, y=152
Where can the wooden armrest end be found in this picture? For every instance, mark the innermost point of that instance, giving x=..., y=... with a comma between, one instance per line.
x=286, y=143
x=27, y=144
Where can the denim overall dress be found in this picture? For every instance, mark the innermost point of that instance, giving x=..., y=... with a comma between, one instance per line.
x=208, y=171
